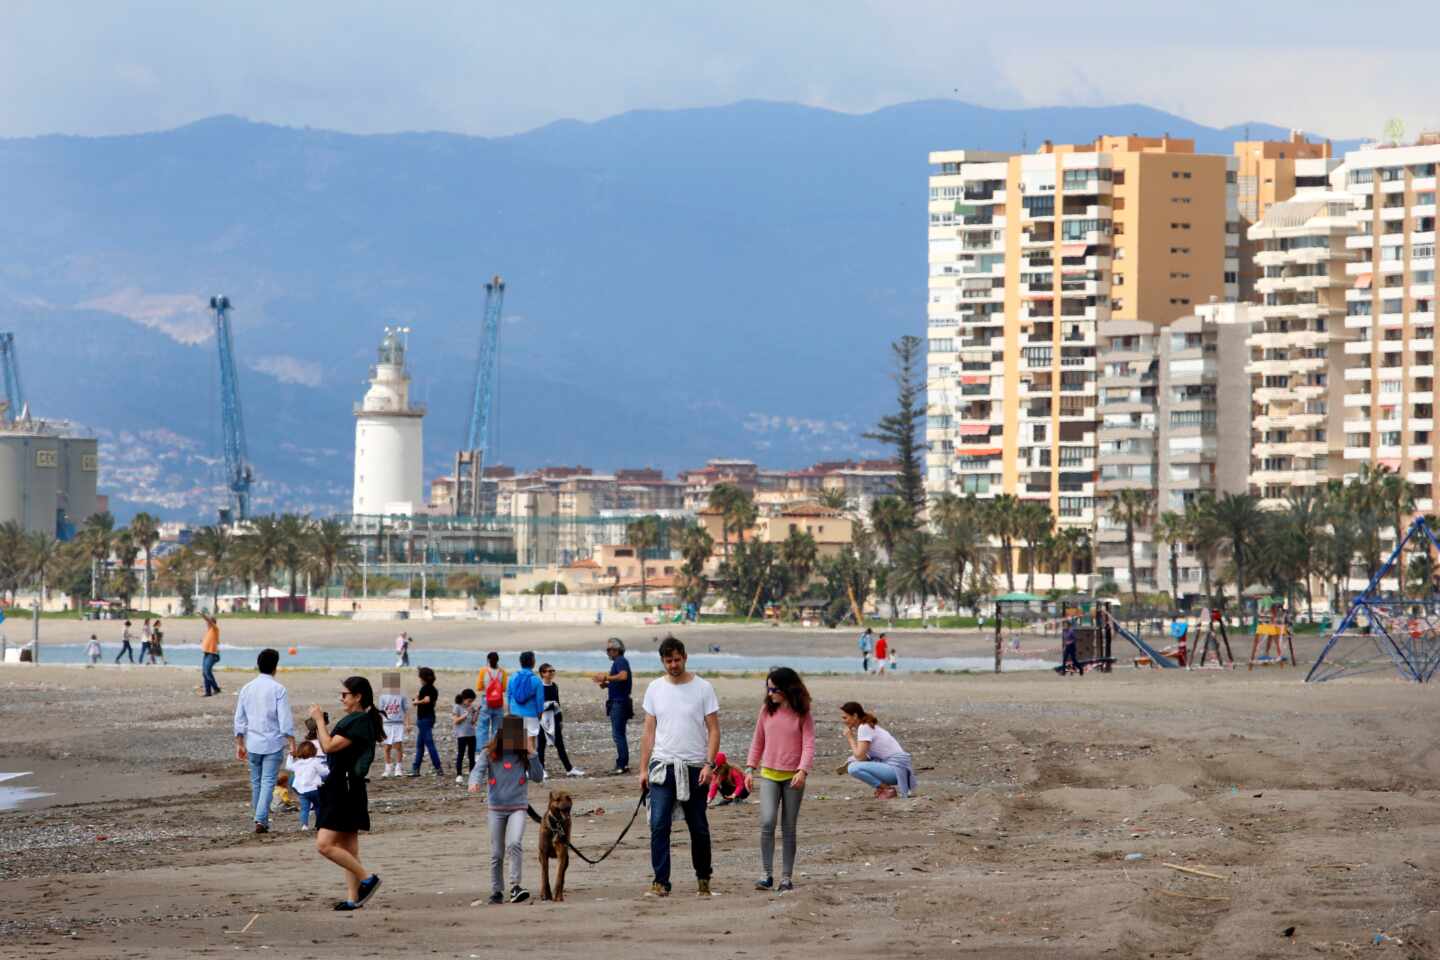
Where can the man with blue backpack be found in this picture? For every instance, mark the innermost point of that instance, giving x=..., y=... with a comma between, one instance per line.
x=526, y=694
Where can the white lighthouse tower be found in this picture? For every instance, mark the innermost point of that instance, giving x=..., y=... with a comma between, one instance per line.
x=388, y=441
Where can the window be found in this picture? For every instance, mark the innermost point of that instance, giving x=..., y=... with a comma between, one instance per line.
x=1231, y=276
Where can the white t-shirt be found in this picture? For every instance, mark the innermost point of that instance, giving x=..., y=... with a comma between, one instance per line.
x=391, y=707
x=680, y=710
x=882, y=745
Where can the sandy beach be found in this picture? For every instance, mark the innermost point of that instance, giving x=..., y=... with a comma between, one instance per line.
x=1315, y=805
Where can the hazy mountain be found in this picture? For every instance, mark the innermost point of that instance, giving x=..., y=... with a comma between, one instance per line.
x=682, y=284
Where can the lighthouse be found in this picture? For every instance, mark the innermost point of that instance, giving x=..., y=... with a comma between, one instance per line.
x=389, y=449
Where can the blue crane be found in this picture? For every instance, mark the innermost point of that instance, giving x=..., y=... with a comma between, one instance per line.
x=477, y=437
x=238, y=474
x=12, y=401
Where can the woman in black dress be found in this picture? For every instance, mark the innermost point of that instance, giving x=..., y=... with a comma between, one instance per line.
x=342, y=807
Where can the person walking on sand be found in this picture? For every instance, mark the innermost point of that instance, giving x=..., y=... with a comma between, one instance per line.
x=526, y=697
x=92, y=651
x=677, y=760
x=264, y=729
x=867, y=646
x=876, y=757
x=552, y=723
x=490, y=685
x=157, y=643
x=425, y=723
x=509, y=767
x=342, y=805
x=210, y=654
x=402, y=650
x=127, y=636
x=882, y=654
x=782, y=752
x=145, y=642
x=619, y=707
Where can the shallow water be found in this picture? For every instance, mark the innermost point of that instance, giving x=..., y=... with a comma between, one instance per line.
x=644, y=661
x=12, y=797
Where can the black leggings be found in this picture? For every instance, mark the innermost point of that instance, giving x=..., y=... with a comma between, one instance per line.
x=464, y=746
x=559, y=743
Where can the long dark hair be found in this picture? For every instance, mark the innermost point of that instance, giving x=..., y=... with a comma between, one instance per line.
x=855, y=710
x=788, y=682
x=493, y=749
x=361, y=688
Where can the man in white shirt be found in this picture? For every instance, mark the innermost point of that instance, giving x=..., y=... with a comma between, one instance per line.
x=264, y=729
x=677, y=759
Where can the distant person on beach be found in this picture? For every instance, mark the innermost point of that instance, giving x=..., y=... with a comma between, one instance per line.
x=876, y=757
x=343, y=807
x=490, y=685
x=127, y=636
x=394, y=712
x=867, y=646
x=892, y=662
x=424, y=704
x=92, y=650
x=264, y=729
x=882, y=653
x=782, y=753
x=1069, y=645
x=210, y=654
x=402, y=650
x=157, y=647
x=619, y=706
x=509, y=767
x=552, y=722
x=145, y=642
x=463, y=716
x=525, y=696
x=677, y=760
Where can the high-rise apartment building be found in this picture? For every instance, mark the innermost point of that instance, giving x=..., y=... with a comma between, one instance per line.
x=1298, y=343
x=1269, y=172
x=1390, y=391
x=1030, y=255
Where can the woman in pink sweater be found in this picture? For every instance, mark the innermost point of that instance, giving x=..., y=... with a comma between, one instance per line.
x=782, y=753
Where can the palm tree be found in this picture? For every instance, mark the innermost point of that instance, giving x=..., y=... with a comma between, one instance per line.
x=1239, y=520
x=834, y=499
x=97, y=534
x=215, y=548
x=294, y=548
x=1004, y=524
x=146, y=531
x=42, y=554
x=1338, y=550
x=126, y=550
x=330, y=552
x=1307, y=515
x=962, y=542
x=696, y=547
x=1133, y=508
x=1204, y=537
x=1397, y=499
x=917, y=571
x=643, y=534
x=264, y=550
x=1071, y=544
x=890, y=519
x=798, y=553
x=1034, y=523
x=736, y=507
x=1172, y=529
x=12, y=557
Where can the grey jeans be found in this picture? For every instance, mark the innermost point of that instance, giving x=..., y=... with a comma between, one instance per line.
x=507, y=832
x=782, y=800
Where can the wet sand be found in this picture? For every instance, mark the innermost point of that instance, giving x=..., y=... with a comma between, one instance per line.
x=1318, y=805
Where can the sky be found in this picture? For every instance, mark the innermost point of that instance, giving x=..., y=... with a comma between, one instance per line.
x=95, y=67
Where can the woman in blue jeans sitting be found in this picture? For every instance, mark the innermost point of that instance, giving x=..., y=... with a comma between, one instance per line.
x=876, y=757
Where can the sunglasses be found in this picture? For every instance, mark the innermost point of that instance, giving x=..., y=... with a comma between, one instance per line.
x=347, y=693
x=770, y=689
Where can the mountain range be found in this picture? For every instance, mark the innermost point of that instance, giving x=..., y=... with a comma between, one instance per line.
x=681, y=284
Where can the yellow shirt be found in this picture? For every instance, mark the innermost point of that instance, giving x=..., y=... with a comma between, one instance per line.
x=779, y=776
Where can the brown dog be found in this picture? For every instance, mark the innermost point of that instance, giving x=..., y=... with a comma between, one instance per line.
x=554, y=842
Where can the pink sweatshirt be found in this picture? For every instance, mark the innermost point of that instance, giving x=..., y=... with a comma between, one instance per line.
x=783, y=740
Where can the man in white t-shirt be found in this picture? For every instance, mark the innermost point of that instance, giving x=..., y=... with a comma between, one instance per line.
x=677, y=759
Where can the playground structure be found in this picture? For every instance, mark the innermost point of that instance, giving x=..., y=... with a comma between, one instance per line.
x=1208, y=643
x=1022, y=616
x=1380, y=633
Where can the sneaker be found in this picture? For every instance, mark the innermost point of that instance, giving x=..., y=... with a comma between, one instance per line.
x=658, y=889
x=347, y=905
x=574, y=772
x=459, y=778
x=496, y=898
x=386, y=773
x=785, y=886
x=304, y=826
x=368, y=887
x=413, y=773
x=702, y=888
x=261, y=827
x=765, y=883
x=519, y=894
x=620, y=772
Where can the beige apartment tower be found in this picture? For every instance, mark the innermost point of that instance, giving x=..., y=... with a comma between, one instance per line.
x=1270, y=172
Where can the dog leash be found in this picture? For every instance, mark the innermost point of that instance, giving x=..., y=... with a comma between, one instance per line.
x=644, y=795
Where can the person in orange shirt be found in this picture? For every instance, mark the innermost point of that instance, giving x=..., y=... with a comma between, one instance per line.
x=210, y=654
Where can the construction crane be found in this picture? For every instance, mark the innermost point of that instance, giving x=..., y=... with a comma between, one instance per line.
x=477, y=435
x=238, y=473
x=12, y=402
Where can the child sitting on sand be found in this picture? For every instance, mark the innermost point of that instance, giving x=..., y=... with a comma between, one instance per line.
x=509, y=766
x=727, y=783
x=309, y=768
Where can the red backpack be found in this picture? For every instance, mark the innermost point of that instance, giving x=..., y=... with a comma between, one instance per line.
x=494, y=692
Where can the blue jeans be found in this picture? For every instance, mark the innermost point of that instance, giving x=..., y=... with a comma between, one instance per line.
x=617, y=731
x=307, y=801
x=488, y=725
x=207, y=671
x=263, y=768
x=425, y=737
x=662, y=812
x=874, y=773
